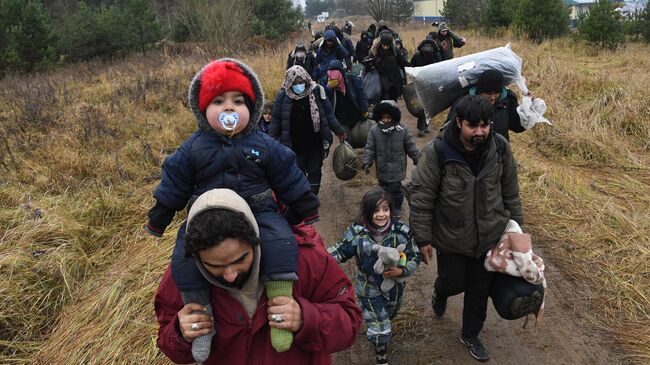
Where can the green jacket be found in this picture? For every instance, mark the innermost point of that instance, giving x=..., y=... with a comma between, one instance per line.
x=456, y=211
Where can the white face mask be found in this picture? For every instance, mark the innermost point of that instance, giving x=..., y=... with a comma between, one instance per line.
x=301, y=54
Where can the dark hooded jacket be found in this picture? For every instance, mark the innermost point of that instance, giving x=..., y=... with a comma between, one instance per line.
x=324, y=54
x=281, y=118
x=249, y=163
x=362, y=48
x=421, y=58
x=388, y=145
x=505, y=116
x=457, y=210
x=355, y=95
x=447, y=43
x=389, y=63
x=307, y=63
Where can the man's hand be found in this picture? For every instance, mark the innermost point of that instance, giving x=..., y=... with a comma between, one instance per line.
x=342, y=137
x=394, y=272
x=366, y=168
x=426, y=252
x=462, y=40
x=194, y=325
x=364, y=115
x=290, y=312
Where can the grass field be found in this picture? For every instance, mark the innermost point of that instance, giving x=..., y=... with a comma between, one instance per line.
x=81, y=150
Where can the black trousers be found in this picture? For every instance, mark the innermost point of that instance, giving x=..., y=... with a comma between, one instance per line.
x=459, y=273
x=394, y=189
x=311, y=164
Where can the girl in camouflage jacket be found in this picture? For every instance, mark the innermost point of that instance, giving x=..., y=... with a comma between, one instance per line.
x=376, y=227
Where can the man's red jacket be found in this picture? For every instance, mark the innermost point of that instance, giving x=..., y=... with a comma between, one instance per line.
x=331, y=319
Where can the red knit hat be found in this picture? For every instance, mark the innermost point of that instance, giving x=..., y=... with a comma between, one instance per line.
x=219, y=77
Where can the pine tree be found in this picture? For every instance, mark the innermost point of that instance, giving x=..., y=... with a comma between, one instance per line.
x=144, y=29
x=463, y=12
x=401, y=11
x=602, y=28
x=498, y=13
x=644, y=25
x=25, y=36
x=542, y=19
x=275, y=18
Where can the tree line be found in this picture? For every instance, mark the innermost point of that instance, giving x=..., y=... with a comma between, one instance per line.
x=38, y=34
x=538, y=20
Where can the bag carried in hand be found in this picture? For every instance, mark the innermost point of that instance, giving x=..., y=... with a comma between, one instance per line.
x=513, y=297
x=372, y=86
x=359, y=133
x=344, y=161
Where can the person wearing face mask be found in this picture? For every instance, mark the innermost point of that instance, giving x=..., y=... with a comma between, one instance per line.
x=345, y=92
x=363, y=47
x=301, y=57
x=491, y=85
x=303, y=120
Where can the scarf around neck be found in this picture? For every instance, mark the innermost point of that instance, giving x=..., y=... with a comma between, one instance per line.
x=310, y=86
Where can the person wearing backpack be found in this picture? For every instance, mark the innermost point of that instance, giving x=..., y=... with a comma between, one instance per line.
x=303, y=120
x=464, y=191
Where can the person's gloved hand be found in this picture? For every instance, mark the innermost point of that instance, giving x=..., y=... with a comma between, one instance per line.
x=366, y=168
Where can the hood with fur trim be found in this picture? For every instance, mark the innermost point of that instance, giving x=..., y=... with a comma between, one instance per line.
x=258, y=105
x=387, y=107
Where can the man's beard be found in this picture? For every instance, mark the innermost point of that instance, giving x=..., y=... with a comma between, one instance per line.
x=477, y=141
x=238, y=283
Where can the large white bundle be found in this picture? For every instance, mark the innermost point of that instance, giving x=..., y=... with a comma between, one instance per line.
x=438, y=85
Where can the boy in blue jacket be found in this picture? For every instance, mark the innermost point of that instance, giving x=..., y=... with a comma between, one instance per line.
x=227, y=151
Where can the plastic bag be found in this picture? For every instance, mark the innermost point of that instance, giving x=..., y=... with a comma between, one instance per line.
x=412, y=101
x=359, y=133
x=344, y=162
x=438, y=85
x=372, y=86
x=531, y=112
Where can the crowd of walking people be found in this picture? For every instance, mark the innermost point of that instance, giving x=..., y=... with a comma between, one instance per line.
x=250, y=279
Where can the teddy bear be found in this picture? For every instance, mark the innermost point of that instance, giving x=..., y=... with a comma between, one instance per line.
x=388, y=257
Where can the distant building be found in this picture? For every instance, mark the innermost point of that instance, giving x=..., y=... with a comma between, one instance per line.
x=299, y=4
x=428, y=10
x=581, y=7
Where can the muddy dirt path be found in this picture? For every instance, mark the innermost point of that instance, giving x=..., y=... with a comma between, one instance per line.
x=419, y=338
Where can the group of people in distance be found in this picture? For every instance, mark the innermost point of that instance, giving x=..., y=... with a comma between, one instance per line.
x=251, y=280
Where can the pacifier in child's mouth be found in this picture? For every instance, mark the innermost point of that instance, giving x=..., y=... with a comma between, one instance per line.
x=229, y=121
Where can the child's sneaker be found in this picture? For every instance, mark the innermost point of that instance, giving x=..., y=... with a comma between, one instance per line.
x=476, y=348
x=381, y=355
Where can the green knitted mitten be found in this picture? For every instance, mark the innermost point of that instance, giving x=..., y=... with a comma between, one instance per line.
x=281, y=339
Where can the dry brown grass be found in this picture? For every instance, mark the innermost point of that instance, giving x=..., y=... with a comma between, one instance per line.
x=80, y=153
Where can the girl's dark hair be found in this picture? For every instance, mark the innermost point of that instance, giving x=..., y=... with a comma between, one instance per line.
x=211, y=227
x=268, y=106
x=369, y=204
